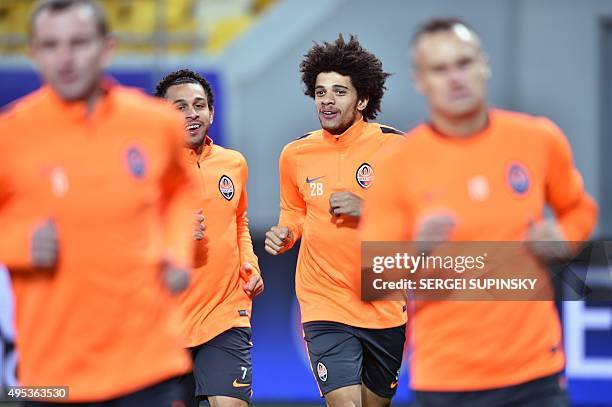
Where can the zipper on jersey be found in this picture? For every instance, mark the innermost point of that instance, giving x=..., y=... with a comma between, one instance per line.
x=338, y=169
x=201, y=177
x=339, y=158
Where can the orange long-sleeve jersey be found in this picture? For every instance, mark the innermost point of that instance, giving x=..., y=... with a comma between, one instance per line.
x=113, y=181
x=215, y=300
x=494, y=184
x=328, y=269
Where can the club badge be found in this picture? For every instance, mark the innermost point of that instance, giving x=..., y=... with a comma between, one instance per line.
x=226, y=187
x=364, y=175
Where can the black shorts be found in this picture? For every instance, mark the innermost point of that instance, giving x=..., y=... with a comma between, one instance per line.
x=222, y=367
x=548, y=391
x=343, y=355
x=165, y=394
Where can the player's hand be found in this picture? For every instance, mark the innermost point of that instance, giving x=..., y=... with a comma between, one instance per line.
x=432, y=231
x=545, y=239
x=345, y=203
x=44, y=248
x=278, y=239
x=198, y=225
x=254, y=284
x=175, y=278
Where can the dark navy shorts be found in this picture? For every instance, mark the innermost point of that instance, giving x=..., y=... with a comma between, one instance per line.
x=548, y=391
x=165, y=394
x=222, y=367
x=343, y=355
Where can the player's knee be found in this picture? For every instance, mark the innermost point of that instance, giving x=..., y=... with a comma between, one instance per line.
x=222, y=401
x=349, y=396
x=371, y=399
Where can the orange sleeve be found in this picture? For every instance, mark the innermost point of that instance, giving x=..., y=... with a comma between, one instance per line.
x=575, y=210
x=177, y=201
x=16, y=234
x=292, y=205
x=386, y=208
x=245, y=244
x=15, y=238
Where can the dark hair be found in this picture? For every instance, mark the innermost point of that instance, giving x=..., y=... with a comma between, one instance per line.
x=184, y=76
x=56, y=6
x=348, y=59
x=438, y=24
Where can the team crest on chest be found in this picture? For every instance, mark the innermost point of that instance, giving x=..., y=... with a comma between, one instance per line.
x=518, y=178
x=226, y=187
x=365, y=175
x=136, y=162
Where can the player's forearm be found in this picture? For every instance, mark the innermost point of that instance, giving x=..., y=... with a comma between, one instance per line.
x=245, y=243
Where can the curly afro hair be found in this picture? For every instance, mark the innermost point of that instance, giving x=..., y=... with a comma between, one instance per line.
x=348, y=59
x=184, y=76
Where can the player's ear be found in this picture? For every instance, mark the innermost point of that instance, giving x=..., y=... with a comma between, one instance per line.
x=487, y=67
x=109, y=45
x=362, y=104
x=212, y=114
x=417, y=81
x=415, y=73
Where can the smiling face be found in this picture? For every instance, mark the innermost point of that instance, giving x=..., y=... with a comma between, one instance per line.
x=191, y=100
x=337, y=102
x=451, y=71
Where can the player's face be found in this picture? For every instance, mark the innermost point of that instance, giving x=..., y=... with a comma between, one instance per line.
x=337, y=103
x=69, y=51
x=451, y=72
x=191, y=100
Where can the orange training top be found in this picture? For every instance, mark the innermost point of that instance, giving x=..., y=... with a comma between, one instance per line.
x=329, y=268
x=114, y=183
x=494, y=183
x=215, y=300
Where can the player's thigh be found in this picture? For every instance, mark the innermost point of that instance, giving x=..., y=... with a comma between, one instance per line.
x=222, y=401
x=382, y=359
x=223, y=366
x=371, y=399
x=335, y=355
x=348, y=396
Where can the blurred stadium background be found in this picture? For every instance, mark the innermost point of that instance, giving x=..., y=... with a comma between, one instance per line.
x=548, y=57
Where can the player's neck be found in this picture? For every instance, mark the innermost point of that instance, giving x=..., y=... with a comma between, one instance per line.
x=461, y=126
x=92, y=100
x=341, y=131
x=199, y=149
x=198, y=152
